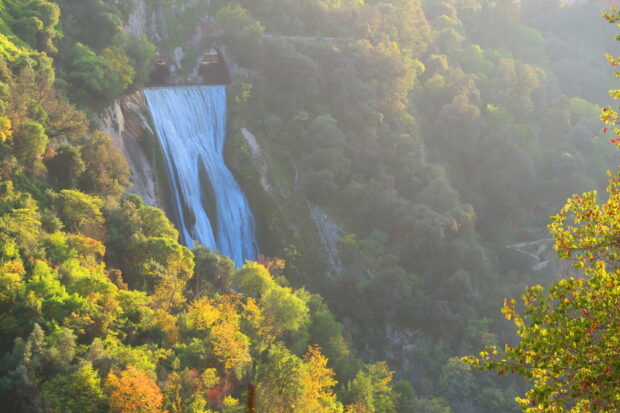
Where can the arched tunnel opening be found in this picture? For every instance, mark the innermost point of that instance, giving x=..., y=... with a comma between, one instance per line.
x=213, y=70
x=160, y=73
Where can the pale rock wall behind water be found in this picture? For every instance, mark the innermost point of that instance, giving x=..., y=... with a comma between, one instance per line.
x=127, y=122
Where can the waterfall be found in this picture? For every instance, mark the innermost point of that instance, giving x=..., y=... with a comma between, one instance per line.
x=209, y=206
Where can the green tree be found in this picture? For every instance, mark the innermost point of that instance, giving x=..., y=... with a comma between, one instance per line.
x=65, y=167
x=243, y=33
x=79, y=211
x=370, y=390
x=80, y=391
x=105, y=168
x=103, y=77
x=287, y=310
x=211, y=268
x=29, y=141
x=456, y=382
x=140, y=53
x=280, y=378
x=254, y=279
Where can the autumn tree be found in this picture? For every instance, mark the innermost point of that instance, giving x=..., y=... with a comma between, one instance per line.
x=134, y=391
x=292, y=384
x=318, y=384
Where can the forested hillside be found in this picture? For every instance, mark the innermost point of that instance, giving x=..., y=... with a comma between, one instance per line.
x=435, y=134
x=403, y=147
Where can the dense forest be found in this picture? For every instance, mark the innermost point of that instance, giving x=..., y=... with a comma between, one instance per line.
x=435, y=138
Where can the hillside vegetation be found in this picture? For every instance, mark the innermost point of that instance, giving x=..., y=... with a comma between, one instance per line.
x=435, y=134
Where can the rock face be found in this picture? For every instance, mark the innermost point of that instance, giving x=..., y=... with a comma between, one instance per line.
x=329, y=235
x=544, y=257
x=128, y=123
x=144, y=20
x=259, y=161
x=137, y=21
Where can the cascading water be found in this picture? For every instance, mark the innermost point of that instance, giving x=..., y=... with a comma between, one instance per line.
x=191, y=125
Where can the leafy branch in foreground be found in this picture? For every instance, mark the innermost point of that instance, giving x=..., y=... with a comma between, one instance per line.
x=570, y=343
x=570, y=332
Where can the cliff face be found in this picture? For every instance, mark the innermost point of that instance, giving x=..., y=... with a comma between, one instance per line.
x=137, y=21
x=128, y=123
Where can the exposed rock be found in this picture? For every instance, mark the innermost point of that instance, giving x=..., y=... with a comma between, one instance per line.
x=400, y=348
x=159, y=28
x=329, y=235
x=179, y=54
x=258, y=159
x=137, y=20
x=126, y=123
x=544, y=257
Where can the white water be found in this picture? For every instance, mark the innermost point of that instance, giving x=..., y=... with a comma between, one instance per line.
x=191, y=125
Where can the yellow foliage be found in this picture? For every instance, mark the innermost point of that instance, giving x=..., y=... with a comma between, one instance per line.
x=134, y=392
x=86, y=246
x=202, y=314
x=6, y=129
x=230, y=346
x=208, y=379
x=167, y=323
x=357, y=408
x=11, y=279
x=255, y=317
x=168, y=293
x=229, y=308
x=230, y=401
x=318, y=383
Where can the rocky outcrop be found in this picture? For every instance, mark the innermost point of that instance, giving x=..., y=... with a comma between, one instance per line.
x=127, y=122
x=329, y=235
x=137, y=21
x=145, y=20
x=258, y=160
x=544, y=257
